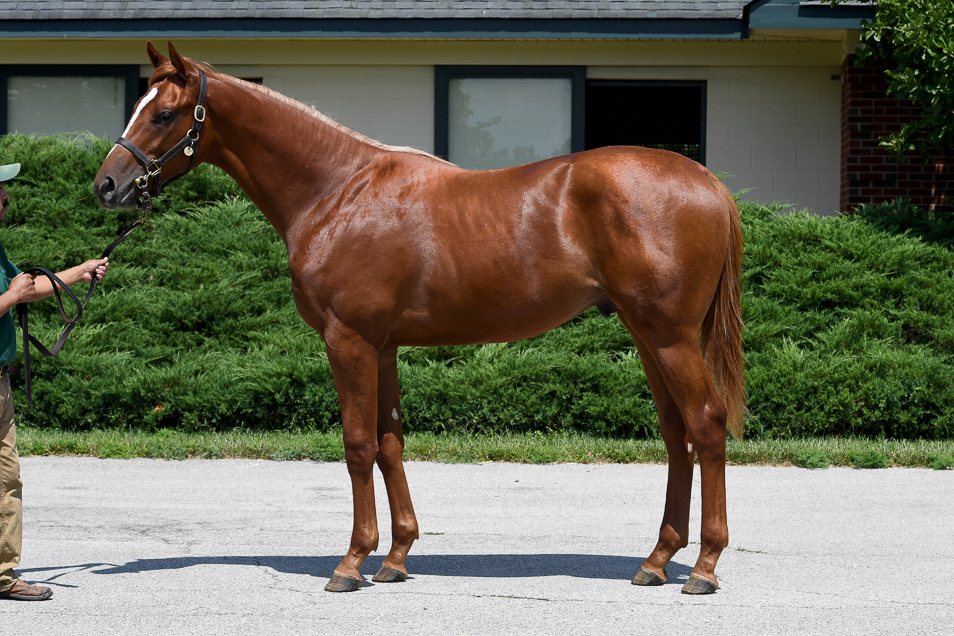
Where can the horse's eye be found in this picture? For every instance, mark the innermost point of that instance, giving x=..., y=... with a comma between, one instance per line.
x=164, y=117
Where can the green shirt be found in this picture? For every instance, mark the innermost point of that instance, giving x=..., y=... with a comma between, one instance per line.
x=8, y=332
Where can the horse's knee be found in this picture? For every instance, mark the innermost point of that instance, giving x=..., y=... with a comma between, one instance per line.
x=360, y=454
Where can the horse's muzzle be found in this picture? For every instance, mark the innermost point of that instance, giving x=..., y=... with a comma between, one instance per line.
x=112, y=196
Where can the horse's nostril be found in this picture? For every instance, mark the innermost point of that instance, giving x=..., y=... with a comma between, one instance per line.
x=107, y=188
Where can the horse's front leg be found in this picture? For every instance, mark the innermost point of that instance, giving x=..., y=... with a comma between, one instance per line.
x=391, y=462
x=354, y=364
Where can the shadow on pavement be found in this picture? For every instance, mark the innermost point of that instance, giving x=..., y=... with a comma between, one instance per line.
x=586, y=566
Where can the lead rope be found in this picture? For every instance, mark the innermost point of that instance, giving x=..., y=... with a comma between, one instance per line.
x=22, y=309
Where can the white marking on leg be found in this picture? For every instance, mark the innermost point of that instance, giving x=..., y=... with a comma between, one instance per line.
x=394, y=413
x=145, y=100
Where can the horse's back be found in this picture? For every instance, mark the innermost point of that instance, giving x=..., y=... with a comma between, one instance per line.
x=610, y=214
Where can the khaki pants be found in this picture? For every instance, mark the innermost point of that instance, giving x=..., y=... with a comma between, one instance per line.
x=11, y=490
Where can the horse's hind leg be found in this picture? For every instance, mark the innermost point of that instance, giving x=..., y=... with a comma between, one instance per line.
x=678, y=362
x=674, y=530
x=391, y=462
x=690, y=384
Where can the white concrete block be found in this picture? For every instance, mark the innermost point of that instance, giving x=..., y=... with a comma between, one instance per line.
x=730, y=112
x=717, y=90
x=775, y=157
x=797, y=90
x=819, y=113
x=751, y=90
x=730, y=159
x=829, y=137
x=717, y=135
x=799, y=181
x=748, y=134
x=796, y=135
x=818, y=159
x=775, y=113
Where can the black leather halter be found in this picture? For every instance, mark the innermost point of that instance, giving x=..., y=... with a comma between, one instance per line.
x=188, y=146
x=144, y=202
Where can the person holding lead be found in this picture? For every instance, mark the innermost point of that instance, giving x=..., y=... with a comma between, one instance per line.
x=16, y=288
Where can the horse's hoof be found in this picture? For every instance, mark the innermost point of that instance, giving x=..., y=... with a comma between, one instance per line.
x=699, y=585
x=648, y=577
x=343, y=583
x=387, y=574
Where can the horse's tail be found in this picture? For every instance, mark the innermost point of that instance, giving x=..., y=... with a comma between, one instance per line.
x=722, y=327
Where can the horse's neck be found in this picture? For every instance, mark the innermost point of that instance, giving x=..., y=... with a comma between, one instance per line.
x=286, y=160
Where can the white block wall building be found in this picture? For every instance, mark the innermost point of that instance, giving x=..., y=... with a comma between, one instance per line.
x=768, y=71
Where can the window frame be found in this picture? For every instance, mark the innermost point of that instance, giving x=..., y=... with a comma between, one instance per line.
x=443, y=74
x=704, y=100
x=129, y=72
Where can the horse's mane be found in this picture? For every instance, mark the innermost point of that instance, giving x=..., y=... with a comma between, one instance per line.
x=166, y=70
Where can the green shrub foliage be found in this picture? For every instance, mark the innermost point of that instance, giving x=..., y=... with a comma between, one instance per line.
x=942, y=462
x=849, y=326
x=869, y=459
x=812, y=458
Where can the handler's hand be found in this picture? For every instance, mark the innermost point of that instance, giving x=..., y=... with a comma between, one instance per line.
x=23, y=288
x=96, y=267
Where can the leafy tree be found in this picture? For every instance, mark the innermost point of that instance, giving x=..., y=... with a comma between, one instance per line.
x=917, y=37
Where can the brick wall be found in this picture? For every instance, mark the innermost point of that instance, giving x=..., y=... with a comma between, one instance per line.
x=870, y=174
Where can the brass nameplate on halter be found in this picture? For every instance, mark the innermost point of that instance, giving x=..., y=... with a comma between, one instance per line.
x=187, y=151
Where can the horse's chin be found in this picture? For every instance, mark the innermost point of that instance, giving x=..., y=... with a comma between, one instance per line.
x=128, y=200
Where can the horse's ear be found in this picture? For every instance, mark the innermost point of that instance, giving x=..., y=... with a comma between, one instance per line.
x=155, y=56
x=182, y=65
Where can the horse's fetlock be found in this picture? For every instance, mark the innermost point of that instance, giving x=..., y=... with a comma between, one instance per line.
x=715, y=541
x=406, y=532
x=671, y=541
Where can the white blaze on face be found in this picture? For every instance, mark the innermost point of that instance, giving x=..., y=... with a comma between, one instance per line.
x=151, y=95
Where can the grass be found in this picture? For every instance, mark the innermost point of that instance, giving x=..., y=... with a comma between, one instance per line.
x=530, y=448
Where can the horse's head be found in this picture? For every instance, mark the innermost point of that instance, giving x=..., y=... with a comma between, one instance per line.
x=161, y=141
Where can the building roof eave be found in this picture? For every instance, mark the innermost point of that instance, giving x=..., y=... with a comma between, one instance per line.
x=377, y=28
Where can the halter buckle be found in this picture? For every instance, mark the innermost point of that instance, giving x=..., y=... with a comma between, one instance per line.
x=153, y=169
x=199, y=113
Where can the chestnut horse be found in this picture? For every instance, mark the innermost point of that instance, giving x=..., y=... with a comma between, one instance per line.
x=391, y=246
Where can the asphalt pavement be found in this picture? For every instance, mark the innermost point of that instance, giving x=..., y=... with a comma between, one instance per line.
x=246, y=547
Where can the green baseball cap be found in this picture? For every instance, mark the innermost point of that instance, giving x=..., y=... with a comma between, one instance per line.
x=9, y=171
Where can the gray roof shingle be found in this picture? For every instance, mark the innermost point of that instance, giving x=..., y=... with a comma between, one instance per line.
x=533, y=9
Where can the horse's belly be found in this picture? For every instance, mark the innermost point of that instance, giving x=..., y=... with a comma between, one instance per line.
x=453, y=322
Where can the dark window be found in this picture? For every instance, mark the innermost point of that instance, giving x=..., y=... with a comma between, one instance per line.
x=665, y=115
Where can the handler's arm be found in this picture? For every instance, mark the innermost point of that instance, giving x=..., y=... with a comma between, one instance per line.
x=81, y=273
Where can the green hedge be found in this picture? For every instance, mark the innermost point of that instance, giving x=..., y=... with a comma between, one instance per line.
x=849, y=325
